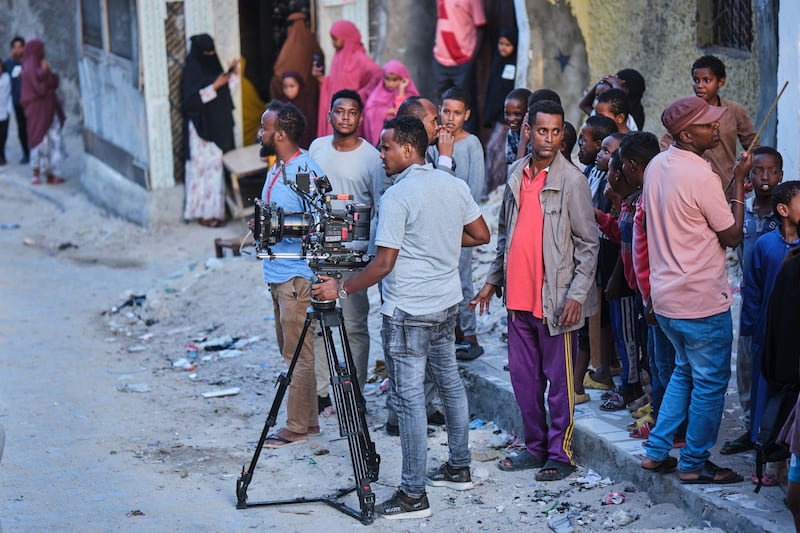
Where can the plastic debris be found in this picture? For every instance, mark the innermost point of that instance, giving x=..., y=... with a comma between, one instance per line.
x=243, y=343
x=475, y=424
x=183, y=364
x=9, y=226
x=220, y=393
x=229, y=354
x=615, y=498
x=620, y=519
x=133, y=387
x=560, y=523
x=499, y=440
x=217, y=343
x=137, y=348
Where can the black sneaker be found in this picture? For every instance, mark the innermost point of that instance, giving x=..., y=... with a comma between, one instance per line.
x=401, y=506
x=450, y=476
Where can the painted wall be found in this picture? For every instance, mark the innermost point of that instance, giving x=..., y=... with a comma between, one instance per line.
x=789, y=105
x=113, y=107
x=659, y=40
x=55, y=24
x=404, y=30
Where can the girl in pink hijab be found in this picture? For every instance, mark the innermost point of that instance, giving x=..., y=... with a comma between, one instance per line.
x=384, y=99
x=351, y=68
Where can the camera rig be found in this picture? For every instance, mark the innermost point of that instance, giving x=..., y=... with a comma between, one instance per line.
x=333, y=238
x=327, y=238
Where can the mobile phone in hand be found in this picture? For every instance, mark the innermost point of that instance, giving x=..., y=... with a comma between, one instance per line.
x=230, y=70
x=317, y=60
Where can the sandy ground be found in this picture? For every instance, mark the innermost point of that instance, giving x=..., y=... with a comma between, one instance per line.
x=105, y=432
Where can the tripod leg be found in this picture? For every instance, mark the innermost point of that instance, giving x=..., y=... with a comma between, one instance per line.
x=282, y=384
x=351, y=406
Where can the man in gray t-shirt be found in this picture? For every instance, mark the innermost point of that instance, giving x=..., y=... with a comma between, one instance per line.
x=426, y=217
x=353, y=167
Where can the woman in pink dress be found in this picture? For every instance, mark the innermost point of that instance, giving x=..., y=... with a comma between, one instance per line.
x=351, y=68
x=385, y=98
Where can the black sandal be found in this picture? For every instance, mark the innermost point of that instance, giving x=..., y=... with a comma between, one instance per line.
x=666, y=466
x=708, y=476
x=521, y=460
x=554, y=471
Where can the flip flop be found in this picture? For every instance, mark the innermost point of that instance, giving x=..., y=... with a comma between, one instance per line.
x=644, y=410
x=282, y=442
x=554, y=471
x=582, y=398
x=521, y=460
x=666, y=466
x=712, y=474
x=589, y=383
x=615, y=402
x=742, y=443
x=766, y=480
x=642, y=432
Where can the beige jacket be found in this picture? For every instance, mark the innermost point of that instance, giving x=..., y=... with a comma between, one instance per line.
x=570, y=239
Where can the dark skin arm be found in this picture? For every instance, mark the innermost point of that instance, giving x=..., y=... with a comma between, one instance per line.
x=731, y=236
x=475, y=233
x=328, y=288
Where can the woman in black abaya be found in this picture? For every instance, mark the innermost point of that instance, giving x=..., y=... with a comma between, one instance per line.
x=208, y=113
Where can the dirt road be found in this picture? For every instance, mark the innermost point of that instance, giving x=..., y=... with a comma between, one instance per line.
x=104, y=432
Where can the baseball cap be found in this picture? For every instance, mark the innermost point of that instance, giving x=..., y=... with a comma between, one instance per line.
x=688, y=111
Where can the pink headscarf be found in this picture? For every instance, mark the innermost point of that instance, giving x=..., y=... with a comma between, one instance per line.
x=382, y=99
x=351, y=68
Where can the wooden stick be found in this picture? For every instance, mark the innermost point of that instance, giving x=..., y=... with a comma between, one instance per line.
x=761, y=128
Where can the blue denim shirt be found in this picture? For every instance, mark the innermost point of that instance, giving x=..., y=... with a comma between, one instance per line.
x=275, y=190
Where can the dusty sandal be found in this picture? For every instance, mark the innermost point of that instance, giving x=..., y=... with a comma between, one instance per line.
x=712, y=474
x=740, y=444
x=554, y=471
x=521, y=460
x=615, y=402
x=666, y=466
x=281, y=442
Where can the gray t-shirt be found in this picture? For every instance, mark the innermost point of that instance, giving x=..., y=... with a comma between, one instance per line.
x=423, y=216
x=358, y=172
x=470, y=164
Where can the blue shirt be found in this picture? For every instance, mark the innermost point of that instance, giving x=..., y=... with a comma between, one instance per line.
x=759, y=279
x=753, y=228
x=275, y=190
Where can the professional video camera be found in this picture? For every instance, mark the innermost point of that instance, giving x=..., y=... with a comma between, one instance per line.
x=333, y=238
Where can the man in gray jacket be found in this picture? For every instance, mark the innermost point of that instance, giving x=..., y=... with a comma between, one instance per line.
x=546, y=258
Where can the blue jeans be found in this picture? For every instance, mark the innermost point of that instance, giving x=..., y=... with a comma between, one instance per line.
x=409, y=344
x=661, y=355
x=697, y=387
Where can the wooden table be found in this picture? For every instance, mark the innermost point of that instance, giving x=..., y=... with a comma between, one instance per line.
x=247, y=175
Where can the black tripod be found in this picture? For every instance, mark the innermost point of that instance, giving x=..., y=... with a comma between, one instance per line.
x=351, y=408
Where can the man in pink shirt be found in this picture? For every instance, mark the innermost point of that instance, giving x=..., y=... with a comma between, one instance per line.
x=689, y=224
x=459, y=25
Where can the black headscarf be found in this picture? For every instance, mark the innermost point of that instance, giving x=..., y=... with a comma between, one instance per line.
x=212, y=120
x=498, y=87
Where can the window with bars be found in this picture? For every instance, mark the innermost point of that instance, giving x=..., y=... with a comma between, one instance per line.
x=725, y=24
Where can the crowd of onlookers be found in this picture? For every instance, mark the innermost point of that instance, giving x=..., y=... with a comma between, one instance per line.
x=611, y=265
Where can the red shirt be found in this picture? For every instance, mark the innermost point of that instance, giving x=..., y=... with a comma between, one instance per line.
x=525, y=267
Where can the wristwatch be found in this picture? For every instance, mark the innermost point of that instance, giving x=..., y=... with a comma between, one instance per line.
x=342, y=293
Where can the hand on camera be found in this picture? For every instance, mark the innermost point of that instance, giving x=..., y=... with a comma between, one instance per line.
x=326, y=289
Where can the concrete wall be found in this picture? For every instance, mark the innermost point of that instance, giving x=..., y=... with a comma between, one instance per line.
x=789, y=105
x=55, y=23
x=405, y=30
x=659, y=39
